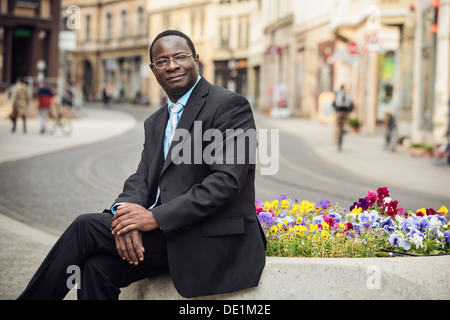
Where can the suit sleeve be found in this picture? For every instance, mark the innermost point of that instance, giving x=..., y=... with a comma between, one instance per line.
x=234, y=119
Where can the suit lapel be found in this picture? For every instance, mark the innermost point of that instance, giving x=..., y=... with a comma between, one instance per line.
x=190, y=113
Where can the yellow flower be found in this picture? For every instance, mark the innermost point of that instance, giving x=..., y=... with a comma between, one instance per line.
x=423, y=210
x=268, y=205
x=325, y=234
x=341, y=226
x=313, y=227
x=284, y=203
x=306, y=206
x=275, y=203
x=356, y=210
x=325, y=225
x=300, y=230
x=288, y=230
x=273, y=229
x=443, y=210
x=299, y=220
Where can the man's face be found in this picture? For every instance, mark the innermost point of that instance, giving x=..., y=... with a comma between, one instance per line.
x=176, y=79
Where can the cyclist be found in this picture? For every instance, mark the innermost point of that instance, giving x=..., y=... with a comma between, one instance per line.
x=343, y=105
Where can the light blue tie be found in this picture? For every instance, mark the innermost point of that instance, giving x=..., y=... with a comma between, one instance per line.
x=174, y=111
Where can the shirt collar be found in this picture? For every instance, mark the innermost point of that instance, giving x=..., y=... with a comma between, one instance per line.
x=184, y=99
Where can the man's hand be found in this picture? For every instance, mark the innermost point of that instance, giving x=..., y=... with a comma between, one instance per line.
x=131, y=217
x=129, y=247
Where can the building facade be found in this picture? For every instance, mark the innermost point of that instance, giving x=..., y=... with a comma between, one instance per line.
x=29, y=31
x=220, y=30
x=111, y=48
x=284, y=55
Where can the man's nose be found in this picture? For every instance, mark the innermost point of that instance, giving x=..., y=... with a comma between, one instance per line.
x=172, y=65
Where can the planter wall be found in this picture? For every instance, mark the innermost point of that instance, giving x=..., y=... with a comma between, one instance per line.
x=307, y=278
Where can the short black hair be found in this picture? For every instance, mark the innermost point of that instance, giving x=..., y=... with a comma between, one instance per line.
x=173, y=33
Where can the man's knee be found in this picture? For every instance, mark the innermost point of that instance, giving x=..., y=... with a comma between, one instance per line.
x=92, y=218
x=91, y=221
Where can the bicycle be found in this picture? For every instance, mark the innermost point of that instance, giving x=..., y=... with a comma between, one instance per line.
x=62, y=120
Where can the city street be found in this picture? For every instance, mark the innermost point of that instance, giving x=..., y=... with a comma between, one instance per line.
x=61, y=185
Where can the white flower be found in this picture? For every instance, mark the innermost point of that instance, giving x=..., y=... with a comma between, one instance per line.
x=434, y=223
x=387, y=200
x=417, y=240
x=373, y=215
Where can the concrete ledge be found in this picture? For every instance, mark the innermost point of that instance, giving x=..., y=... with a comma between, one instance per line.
x=410, y=278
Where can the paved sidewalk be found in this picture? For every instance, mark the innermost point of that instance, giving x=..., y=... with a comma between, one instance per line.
x=23, y=247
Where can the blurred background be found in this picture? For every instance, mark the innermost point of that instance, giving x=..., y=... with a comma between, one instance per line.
x=285, y=56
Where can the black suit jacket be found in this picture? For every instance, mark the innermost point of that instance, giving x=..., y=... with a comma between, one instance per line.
x=214, y=241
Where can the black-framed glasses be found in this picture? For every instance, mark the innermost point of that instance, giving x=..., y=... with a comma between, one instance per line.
x=164, y=63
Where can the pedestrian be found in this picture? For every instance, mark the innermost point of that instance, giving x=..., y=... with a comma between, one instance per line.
x=108, y=92
x=45, y=97
x=195, y=218
x=390, y=142
x=20, y=101
x=343, y=105
x=78, y=96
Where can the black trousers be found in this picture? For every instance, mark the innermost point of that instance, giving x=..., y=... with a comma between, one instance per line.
x=88, y=246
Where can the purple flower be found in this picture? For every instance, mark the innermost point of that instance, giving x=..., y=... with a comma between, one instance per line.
x=407, y=224
x=267, y=218
x=421, y=223
x=433, y=234
x=404, y=244
x=447, y=236
x=415, y=231
x=362, y=203
x=317, y=219
x=323, y=204
x=351, y=234
x=335, y=216
x=387, y=225
x=282, y=197
x=393, y=239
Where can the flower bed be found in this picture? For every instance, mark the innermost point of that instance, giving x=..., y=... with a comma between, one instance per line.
x=373, y=226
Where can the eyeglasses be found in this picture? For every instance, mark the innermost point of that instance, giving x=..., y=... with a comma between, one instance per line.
x=164, y=63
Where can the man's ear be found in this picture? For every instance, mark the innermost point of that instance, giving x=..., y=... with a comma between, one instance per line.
x=153, y=69
x=197, y=62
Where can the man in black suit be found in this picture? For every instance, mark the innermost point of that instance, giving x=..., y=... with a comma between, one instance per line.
x=192, y=215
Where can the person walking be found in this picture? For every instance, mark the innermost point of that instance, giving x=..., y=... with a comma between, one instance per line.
x=45, y=97
x=343, y=105
x=20, y=101
x=195, y=217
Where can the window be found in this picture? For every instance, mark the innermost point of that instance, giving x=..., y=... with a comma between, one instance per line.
x=124, y=24
x=225, y=27
x=109, y=27
x=244, y=24
x=141, y=21
x=88, y=27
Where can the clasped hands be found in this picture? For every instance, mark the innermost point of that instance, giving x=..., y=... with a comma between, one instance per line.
x=127, y=226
